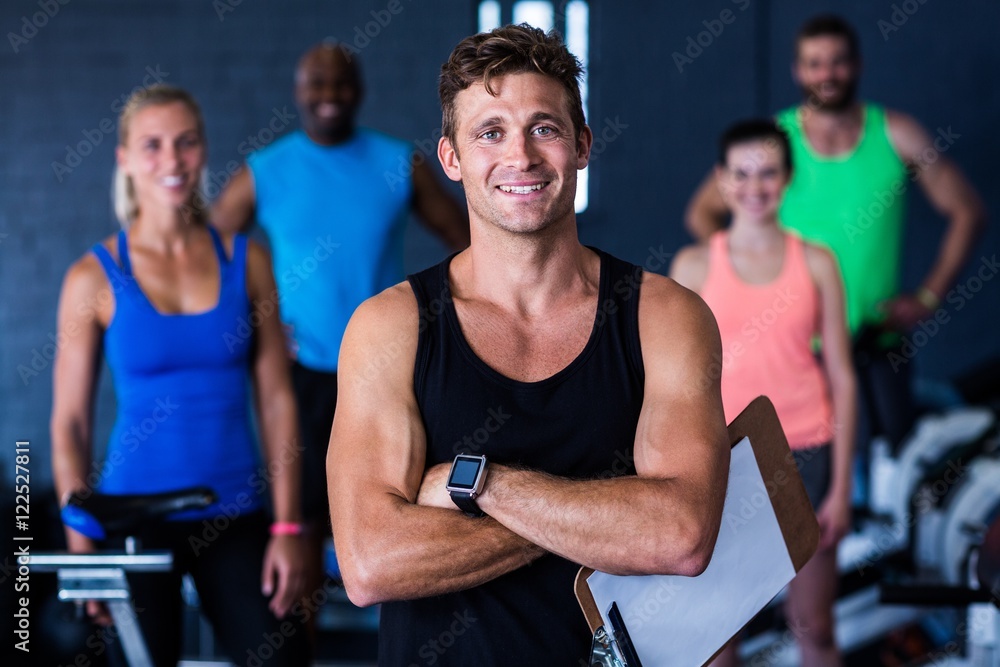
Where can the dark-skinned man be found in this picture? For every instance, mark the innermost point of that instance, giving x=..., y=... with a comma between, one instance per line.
x=333, y=199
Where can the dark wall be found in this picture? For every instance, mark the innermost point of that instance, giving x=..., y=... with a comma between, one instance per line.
x=62, y=86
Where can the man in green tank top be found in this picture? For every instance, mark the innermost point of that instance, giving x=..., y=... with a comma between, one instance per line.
x=853, y=161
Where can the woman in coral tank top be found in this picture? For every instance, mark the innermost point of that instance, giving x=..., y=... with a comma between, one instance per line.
x=773, y=295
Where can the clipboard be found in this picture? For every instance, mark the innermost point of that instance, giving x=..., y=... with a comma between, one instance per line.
x=796, y=520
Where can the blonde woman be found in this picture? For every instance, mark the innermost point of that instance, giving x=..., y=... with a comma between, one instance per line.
x=168, y=302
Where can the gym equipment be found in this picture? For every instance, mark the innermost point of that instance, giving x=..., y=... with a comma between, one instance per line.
x=101, y=575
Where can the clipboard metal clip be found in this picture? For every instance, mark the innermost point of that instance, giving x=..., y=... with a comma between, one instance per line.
x=614, y=649
x=601, y=652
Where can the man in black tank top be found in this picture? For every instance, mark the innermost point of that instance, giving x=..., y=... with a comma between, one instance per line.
x=585, y=383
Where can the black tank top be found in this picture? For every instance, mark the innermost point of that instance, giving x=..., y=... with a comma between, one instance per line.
x=578, y=423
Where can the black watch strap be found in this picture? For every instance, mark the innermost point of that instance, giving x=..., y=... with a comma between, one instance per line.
x=467, y=504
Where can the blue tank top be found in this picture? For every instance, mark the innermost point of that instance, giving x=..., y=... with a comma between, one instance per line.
x=579, y=423
x=181, y=383
x=334, y=216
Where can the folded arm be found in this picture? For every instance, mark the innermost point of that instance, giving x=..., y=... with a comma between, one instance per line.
x=670, y=512
x=388, y=546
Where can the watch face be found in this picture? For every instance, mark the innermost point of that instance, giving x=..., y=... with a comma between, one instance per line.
x=464, y=472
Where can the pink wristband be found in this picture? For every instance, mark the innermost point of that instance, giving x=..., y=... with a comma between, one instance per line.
x=286, y=528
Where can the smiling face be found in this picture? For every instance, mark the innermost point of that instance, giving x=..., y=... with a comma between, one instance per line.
x=753, y=180
x=516, y=153
x=327, y=93
x=827, y=72
x=163, y=154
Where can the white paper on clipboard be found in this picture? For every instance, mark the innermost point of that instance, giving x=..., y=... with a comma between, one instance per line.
x=675, y=620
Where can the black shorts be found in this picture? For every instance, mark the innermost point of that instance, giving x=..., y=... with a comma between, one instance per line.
x=814, y=467
x=316, y=396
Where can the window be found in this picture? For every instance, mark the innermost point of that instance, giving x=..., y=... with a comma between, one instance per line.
x=573, y=23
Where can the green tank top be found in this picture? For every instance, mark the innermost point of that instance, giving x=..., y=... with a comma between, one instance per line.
x=853, y=204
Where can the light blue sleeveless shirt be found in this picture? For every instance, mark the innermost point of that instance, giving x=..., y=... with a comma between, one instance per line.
x=335, y=217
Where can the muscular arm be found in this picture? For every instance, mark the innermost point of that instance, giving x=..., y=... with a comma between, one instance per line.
x=273, y=389
x=282, y=572
x=670, y=512
x=84, y=311
x=706, y=213
x=835, y=509
x=948, y=191
x=233, y=211
x=389, y=547
x=76, y=369
x=439, y=212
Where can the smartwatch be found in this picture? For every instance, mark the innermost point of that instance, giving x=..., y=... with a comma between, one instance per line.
x=466, y=481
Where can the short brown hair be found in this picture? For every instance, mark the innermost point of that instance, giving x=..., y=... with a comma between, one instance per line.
x=510, y=49
x=829, y=25
x=755, y=129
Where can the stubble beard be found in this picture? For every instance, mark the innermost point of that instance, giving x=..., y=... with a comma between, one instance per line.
x=843, y=102
x=535, y=221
